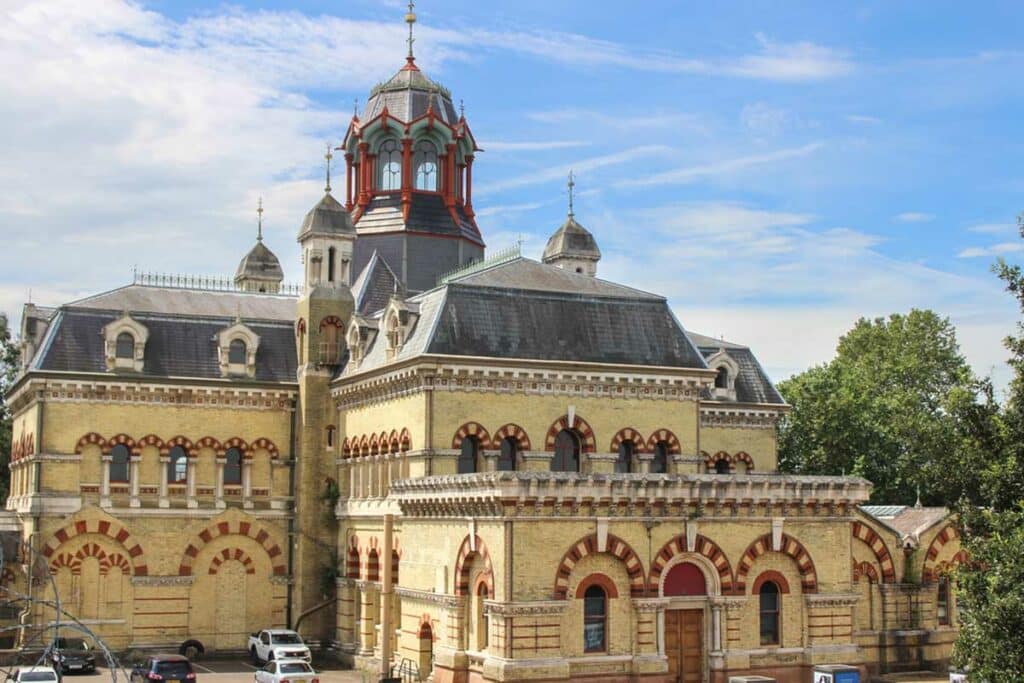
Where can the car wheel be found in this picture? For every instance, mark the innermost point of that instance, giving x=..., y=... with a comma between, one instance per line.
x=270, y=657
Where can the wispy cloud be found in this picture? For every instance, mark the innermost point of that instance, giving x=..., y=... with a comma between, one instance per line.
x=993, y=228
x=862, y=119
x=993, y=250
x=504, y=209
x=914, y=217
x=631, y=120
x=689, y=174
x=531, y=146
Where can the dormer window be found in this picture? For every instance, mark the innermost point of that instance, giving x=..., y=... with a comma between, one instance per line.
x=722, y=378
x=125, y=344
x=425, y=166
x=727, y=370
x=236, y=351
x=389, y=161
x=394, y=336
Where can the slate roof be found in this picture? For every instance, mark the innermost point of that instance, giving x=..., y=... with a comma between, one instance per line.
x=328, y=217
x=906, y=520
x=527, y=310
x=374, y=285
x=260, y=264
x=427, y=213
x=572, y=240
x=178, y=346
x=407, y=96
x=752, y=383
x=193, y=302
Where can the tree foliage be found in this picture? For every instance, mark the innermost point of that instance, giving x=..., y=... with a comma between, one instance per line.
x=9, y=365
x=885, y=407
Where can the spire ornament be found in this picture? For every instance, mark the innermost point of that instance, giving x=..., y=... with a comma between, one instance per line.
x=572, y=185
x=328, y=156
x=410, y=18
x=259, y=214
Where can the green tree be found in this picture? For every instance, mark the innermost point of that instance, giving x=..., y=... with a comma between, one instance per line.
x=884, y=408
x=9, y=365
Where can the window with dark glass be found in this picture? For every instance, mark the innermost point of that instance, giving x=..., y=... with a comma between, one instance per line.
x=125, y=345
x=507, y=457
x=233, y=467
x=330, y=264
x=567, y=452
x=769, y=599
x=425, y=165
x=659, y=463
x=236, y=352
x=468, y=455
x=722, y=378
x=389, y=161
x=177, y=466
x=722, y=466
x=330, y=437
x=624, y=463
x=119, y=457
x=595, y=619
x=942, y=601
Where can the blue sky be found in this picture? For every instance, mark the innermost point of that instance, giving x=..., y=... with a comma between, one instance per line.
x=776, y=169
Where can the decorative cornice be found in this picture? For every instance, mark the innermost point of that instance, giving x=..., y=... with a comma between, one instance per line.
x=831, y=599
x=740, y=416
x=155, y=393
x=650, y=604
x=441, y=599
x=162, y=580
x=525, y=609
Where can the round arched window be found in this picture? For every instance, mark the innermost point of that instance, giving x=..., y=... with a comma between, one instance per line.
x=236, y=352
x=425, y=166
x=125, y=345
x=595, y=619
x=389, y=163
x=567, y=452
x=769, y=604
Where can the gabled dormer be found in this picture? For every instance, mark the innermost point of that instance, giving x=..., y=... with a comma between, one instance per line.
x=236, y=350
x=124, y=344
x=397, y=322
x=728, y=370
x=361, y=334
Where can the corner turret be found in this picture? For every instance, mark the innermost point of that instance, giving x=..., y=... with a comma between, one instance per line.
x=572, y=247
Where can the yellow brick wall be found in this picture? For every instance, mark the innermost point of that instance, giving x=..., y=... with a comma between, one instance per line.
x=620, y=631
x=759, y=444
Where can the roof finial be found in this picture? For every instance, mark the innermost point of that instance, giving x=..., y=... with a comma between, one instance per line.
x=355, y=106
x=328, y=157
x=259, y=214
x=572, y=184
x=462, y=109
x=410, y=18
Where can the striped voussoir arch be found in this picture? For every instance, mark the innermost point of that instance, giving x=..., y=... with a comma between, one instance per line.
x=867, y=535
x=949, y=533
x=580, y=426
x=462, y=565
x=668, y=437
x=228, y=528
x=232, y=554
x=702, y=545
x=474, y=429
x=788, y=546
x=589, y=545
x=864, y=569
x=102, y=527
x=628, y=434
x=512, y=431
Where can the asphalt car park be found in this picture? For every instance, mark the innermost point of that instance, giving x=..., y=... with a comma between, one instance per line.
x=230, y=671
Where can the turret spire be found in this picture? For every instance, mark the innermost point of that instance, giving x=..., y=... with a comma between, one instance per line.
x=259, y=214
x=410, y=18
x=572, y=185
x=328, y=156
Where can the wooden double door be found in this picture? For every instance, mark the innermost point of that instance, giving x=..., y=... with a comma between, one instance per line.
x=684, y=644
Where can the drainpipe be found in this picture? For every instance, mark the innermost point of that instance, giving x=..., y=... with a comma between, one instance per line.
x=291, y=516
x=385, y=601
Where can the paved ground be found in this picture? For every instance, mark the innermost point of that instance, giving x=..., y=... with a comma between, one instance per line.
x=914, y=677
x=234, y=671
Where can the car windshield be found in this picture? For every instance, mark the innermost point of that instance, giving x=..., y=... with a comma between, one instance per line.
x=177, y=670
x=37, y=676
x=70, y=644
x=295, y=668
x=287, y=639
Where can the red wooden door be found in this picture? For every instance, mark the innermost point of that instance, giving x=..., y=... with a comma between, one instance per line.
x=684, y=645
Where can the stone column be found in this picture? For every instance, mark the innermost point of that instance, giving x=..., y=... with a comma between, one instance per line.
x=133, y=478
x=165, y=461
x=247, y=482
x=190, y=483
x=716, y=627
x=219, y=490
x=367, y=625
x=105, y=461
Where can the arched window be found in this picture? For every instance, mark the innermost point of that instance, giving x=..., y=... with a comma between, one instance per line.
x=942, y=601
x=481, y=618
x=567, y=452
x=722, y=378
x=659, y=464
x=509, y=452
x=236, y=352
x=425, y=164
x=389, y=161
x=233, y=467
x=769, y=603
x=177, y=466
x=125, y=345
x=330, y=264
x=595, y=619
x=624, y=463
x=722, y=466
x=330, y=436
x=468, y=455
x=119, y=457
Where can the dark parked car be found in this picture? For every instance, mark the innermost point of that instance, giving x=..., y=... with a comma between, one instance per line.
x=69, y=655
x=164, y=669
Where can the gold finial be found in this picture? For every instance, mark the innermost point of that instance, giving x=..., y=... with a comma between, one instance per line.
x=572, y=184
x=328, y=157
x=259, y=214
x=410, y=18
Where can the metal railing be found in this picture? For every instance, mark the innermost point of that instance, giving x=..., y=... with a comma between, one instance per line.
x=503, y=256
x=206, y=283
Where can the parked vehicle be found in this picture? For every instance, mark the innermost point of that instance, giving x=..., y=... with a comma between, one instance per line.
x=72, y=655
x=164, y=669
x=33, y=674
x=287, y=671
x=277, y=643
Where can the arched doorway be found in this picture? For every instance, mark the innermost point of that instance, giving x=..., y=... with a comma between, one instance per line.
x=426, y=650
x=231, y=628
x=685, y=632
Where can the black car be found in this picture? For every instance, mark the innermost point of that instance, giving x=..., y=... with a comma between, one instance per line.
x=164, y=669
x=72, y=655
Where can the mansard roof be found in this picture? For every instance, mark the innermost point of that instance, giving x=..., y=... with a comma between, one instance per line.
x=427, y=214
x=407, y=95
x=752, y=383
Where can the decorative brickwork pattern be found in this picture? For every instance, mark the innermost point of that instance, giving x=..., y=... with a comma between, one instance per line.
x=589, y=545
x=253, y=531
x=462, y=565
x=628, y=434
x=232, y=554
x=474, y=429
x=102, y=527
x=867, y=535
x=513, y=431
x=702, y=546
x=588, y=443
x=789, y=546
x=930, y=573
x=668, y=437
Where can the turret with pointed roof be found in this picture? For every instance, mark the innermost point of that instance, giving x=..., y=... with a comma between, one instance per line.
x=572, y=247
x=259, y=270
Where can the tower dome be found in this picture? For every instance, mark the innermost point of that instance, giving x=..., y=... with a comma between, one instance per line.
x=572, y=247
x=259, y=270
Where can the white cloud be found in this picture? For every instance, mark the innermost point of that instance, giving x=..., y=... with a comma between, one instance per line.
x=860, y=118
x=993, y=250
x=689, y=174
x=914, y=217
x=993, y=228
x=764, y=119
x=632, y=121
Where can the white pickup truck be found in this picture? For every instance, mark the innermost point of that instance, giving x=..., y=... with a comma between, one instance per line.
x=273, y=644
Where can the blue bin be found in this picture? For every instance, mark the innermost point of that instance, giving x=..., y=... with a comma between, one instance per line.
x=836, y=673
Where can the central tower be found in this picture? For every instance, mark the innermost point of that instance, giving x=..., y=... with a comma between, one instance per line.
x=409, y=180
